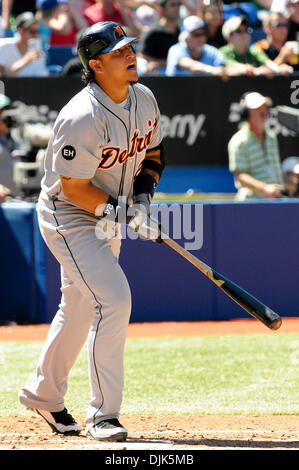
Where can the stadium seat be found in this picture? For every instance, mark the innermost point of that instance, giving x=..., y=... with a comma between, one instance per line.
x=60, y=55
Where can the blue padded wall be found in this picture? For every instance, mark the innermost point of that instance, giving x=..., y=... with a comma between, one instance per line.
x=254, y=244
x=257, y=246
x=166, y=287
x=18, y=293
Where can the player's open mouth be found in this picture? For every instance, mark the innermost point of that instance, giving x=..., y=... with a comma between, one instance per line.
x=131, y=67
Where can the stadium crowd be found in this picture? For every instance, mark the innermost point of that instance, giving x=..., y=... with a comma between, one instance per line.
x=173, y=37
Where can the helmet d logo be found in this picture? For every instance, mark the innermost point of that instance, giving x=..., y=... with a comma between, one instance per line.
x=119, y=31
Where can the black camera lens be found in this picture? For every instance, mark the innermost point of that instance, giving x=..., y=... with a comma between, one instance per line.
x=7, y=119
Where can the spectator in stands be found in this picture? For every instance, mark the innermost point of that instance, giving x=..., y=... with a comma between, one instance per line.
x=21, y=55
x=191, y=54
x=10, y=10
x=293, y=17
x=290, y=172
x=6, y=147
x=63, y=20
x=238, y=50
x=212, y=14
x=146, y=15
x=156, y=41
x=112, y=10
x=293, y=10
x=275, y=45
x=290, y=8
x=254, y=153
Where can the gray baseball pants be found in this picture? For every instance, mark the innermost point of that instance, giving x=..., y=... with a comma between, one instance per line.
x=95, y=306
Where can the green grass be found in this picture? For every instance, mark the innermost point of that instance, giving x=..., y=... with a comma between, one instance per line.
x=251, y=374
x=192, y=196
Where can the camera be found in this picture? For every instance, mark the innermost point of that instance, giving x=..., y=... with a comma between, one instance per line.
x=286, y=193
x=8, y=119
x=30, y=128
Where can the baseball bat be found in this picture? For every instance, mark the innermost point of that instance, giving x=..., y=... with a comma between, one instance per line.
x=249, y=303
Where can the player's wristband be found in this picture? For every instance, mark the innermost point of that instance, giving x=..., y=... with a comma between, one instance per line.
x=145, y=183
x=111, y=207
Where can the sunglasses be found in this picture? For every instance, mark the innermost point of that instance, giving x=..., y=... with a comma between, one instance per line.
x=199, y=34
x=241, y=31
x=279, y=25
x=33, y=31
x=174, y=4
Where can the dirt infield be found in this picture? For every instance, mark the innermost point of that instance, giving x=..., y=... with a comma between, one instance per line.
x=209, y=432
x=163, y=432
x=139, y=330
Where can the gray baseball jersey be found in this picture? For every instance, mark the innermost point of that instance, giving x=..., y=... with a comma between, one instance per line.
x=95, y=138
x=92, y=138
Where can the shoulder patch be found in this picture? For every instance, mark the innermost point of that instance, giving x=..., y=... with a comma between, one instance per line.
x=68, y=152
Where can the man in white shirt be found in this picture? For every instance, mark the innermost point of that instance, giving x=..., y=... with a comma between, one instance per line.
x=7, y=144
x=20, y=56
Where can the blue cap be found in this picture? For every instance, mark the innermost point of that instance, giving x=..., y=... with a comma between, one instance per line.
x=101, y=38
x=45, y=5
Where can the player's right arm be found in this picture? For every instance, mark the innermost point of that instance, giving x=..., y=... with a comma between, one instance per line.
x=83, y=193
x=77, y=144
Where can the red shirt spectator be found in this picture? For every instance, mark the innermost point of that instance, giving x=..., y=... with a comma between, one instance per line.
x=63, y=19
x=68, y=39
x=104, y=10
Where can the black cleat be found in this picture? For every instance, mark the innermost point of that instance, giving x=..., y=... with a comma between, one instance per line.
x=60, y=421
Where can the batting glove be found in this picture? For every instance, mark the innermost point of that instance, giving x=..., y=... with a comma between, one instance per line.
x=145, y=200
x=143, y=224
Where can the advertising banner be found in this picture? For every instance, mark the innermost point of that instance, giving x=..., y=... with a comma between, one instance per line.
x=198, y=114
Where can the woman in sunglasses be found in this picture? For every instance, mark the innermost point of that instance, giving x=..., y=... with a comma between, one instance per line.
x=20, y=56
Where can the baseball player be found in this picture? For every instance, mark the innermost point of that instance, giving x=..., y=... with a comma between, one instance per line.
x=106, y=147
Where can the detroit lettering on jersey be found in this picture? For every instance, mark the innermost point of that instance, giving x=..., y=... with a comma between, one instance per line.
x=112, y=155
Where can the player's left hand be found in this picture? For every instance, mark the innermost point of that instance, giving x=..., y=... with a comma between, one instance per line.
x=144, y=225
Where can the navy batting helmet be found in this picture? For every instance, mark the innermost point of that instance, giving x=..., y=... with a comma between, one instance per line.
x=100, y=38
